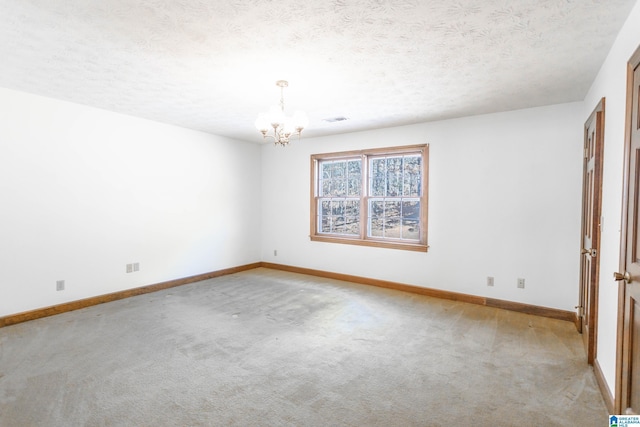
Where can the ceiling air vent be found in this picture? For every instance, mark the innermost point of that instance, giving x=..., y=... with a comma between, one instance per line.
x=335, y=119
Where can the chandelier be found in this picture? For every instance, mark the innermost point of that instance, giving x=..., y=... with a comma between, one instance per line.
x=276, y=125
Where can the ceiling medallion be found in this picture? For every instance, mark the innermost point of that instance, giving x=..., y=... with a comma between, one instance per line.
x=276, y=125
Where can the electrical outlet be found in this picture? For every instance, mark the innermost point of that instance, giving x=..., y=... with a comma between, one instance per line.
x=490, y=281
x=521, y=283
x=136, y=266
x=59, y=285
x=129, y=268
x=275, y=252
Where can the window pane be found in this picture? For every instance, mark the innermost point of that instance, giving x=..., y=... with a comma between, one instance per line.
x=325, y=189
x=411, y=209
x=337, y=207
x=352, y=225
x=376, y=208
x=339, y=188
x=377, y=177
x=352, y=208
x=355, y=168
x=410, y=220
x=392, y=228
x=339, y=225
x=377, y=186
x=376, y=218
x=355, y=187
x=411, y=179
x=325, y=224
x=326, y=169
x=339, y=170
x=325, y=207
x=324, y=217
x=394, y=176
x=352, y=217
x=410, y=229
x=378, y=166
x=376, y=227
x=392, y=209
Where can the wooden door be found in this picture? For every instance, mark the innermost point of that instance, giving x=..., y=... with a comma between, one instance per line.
x=628, y=366
x=590, y=244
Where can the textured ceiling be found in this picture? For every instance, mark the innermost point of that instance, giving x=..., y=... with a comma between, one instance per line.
x=211, y=65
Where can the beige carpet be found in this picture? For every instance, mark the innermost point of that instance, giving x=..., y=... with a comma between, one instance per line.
x=268, y=348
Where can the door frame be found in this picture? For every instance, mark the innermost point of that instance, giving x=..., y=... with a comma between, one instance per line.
x=621, y=351
x=591, y=310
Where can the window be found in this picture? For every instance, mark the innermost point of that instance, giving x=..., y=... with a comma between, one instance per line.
x=371, y=197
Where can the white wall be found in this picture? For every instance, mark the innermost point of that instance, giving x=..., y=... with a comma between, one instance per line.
x=611, y=84
x=84, y=191
x=504, y=201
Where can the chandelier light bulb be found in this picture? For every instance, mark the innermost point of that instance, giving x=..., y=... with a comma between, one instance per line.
x=287, y=126
x=300, y=120
x=276, y=115
x=262, y=123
